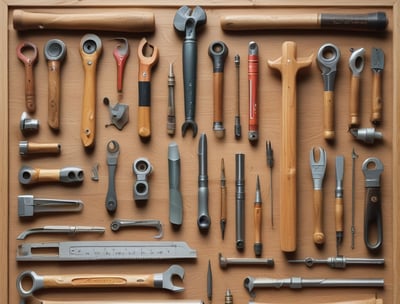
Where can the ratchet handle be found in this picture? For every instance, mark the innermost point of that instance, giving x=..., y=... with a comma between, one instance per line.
x=354, y=102
x=373, y=218
x=376, y=110
x=53, y=116
x=318, y=236
x=189, y=77
x=144, y=122
x=329, y=116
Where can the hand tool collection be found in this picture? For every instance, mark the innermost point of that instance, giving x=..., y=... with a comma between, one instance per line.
x=189, y=21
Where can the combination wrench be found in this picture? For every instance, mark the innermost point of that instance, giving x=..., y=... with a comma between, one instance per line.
x=112, y=160
x=157, y=280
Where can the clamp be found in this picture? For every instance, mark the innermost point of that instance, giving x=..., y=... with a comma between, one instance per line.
x=141, y=168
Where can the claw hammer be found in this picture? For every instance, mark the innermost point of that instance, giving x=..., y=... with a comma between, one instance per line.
x=288, y=66
x=145, y=65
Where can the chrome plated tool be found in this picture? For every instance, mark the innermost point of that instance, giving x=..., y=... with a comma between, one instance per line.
x=157, y=280
x=112, y=161
x=339, y=261
x=142, y=168
x=354, y=156
x=203, y=218
x=318, y=167
x=171, y=119
x=29, y=61
x=175, y=195
x=28, y=125
x=67, y=175
x=119, y=114
x=356, y=65
x=377, y=66
x=225, y=262
x=223, y=202
x=28, y=205
x=328, y=58
x=240, y=200
x=366, y=135
x=339, y=208
x=228, y=297
x=60, y=230
x=237, y=127
x=372, y=168
x=120, y=223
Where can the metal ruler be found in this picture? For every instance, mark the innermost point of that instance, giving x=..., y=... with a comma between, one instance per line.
x=104, y=250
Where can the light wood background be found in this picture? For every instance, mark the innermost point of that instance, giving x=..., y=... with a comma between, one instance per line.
x=169, y=42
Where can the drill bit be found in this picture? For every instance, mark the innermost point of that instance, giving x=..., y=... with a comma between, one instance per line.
x=171, y=120
x=228, y=297
x=270, y=163
x=353, y=197
x=339, y=201
x=238, y=128
x=223, y=199
x=257, y=220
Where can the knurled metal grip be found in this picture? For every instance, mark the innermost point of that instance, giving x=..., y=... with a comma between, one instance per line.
x=141, y=168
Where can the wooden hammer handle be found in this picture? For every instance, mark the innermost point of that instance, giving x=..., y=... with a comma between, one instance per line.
x=118, y=21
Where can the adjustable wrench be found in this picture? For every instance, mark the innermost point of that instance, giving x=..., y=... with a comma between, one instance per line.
x=328, y=57
x=372, y=168
x=112, y=160
x=157, y=280
x=318, y=168
x=90, y=50
x=146, y=63
x=28, y=62
x=356, y=64
x=68, y=175
x=54, y=51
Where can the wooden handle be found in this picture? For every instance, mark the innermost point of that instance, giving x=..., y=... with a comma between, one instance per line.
x=45, y=175
x=318, y=236
x=144, y=129
x=223, y=203
x=329, y=116
x=339, y=211
x=257, y=223
x=288, y=66
x=97, y=281
x=44, y=148
x=354, y=102
x=88, y=122
x=119, y=21
x=53, y=116
x=376, y=111
x=29, y=88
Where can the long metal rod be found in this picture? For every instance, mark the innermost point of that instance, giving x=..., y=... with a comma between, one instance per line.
x=353, y=198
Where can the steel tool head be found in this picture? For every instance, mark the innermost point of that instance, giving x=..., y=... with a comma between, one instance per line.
x=328, y=58
x=187, y=20
x=55, y=50
x=164, y=280
x=37, y=282
x=377, y=59
x=91, y=44
x=318, y=166
x=372, y=168
x=218, y=51
x=30, y=60
x=356, y=61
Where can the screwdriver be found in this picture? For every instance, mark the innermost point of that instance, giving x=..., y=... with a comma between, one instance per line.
x=223, y=199
x=339, y=201
x=257, y=220
x=270, y=163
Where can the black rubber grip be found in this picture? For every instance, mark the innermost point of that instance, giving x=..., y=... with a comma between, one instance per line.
x=367, y=22
x=144, y=94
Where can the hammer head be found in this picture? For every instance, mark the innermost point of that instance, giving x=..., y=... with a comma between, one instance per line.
x=187, y=20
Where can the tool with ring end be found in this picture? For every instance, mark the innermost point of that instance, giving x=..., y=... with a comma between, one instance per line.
x=121, y=54
x=146, y=63
x=119, y=223
x=318, y=167
x=157, y=280
x=112, y=160
x=328, y=58
x=68, y=175
x=142, y=168
x=356, y=64
x=187, y=21
x=29, y=62
x=90, y=50
x=218, y=51
x=54, y=51
x=372, y=168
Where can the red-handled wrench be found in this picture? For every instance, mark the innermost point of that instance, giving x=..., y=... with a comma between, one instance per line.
x=121, y=54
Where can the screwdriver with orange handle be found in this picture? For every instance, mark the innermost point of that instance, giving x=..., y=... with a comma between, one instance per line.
x=257, y=220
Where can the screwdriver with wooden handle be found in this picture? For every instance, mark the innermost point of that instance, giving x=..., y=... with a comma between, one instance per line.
x=377, y=65
x=257, y=220
x=339, y=201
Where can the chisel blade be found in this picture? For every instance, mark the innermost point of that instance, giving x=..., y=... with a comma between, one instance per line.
x=377, y=59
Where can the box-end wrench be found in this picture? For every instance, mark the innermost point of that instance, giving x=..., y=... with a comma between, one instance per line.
x=372, y=168
x=29, y=62
x=356, y=65
x=68, y=175
x=90, y=50
x=112, y=160
x=157, y=280
x=55, y=52
x=327, y=58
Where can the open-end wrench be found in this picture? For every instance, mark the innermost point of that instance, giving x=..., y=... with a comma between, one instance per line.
x=372, y=168
x=54, y=51
x=119, y=223
x=356, y=65
x=328, y=57
x=90, y=50
x=157, y=280
x=68, y=175
x=318, y=167
x=29, y=62
x=187, y=21
x=112, y=160
x=218, y=52
x=146, y=63
x=121, y=54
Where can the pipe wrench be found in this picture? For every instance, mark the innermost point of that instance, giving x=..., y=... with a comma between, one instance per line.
x=90, y=50
x=372, y=169
x=145, y=65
